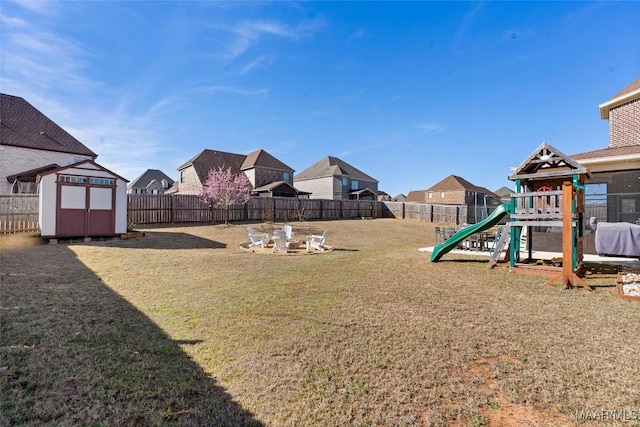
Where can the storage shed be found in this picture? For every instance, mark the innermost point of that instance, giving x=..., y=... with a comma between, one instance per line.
x=82, y=200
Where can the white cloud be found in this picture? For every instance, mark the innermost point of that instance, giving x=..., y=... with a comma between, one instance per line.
x=233, y=89
x=259, y=62
x=248, y=33
x=431, y=127
x=40, y=7
x=356, y=35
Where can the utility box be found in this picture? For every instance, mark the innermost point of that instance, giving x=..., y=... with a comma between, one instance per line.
x=82, y=200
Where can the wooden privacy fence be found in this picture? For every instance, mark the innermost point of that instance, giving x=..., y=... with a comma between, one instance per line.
x=445, y=214
x=150, y=209
x=18, y=212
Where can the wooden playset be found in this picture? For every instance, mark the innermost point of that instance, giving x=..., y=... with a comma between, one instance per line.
x=549, y=193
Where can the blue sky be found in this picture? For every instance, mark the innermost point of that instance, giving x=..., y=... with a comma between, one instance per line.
x=408, y=92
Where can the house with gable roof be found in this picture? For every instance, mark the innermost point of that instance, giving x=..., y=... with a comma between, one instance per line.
x=30, y=144
x=261, y=168
x=615, y=170
x=455, y=190
x=334, y=179
x=152, y=181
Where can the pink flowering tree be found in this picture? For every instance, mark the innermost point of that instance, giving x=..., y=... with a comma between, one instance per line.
x=224, y=188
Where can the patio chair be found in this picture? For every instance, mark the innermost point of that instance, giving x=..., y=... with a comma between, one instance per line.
x=317, y=242
x=257, y=239
x=280, y=242
x=439, y=235
x=288, y=231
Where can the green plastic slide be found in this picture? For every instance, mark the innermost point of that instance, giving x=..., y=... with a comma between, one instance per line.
x=453, y=241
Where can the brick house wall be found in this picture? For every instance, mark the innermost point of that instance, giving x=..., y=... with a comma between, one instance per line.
x=326, y=187
x=450, y=197
x=331, y=187
x=14, y=160
x=624, y=125
x=188, y=181
x=264, y=176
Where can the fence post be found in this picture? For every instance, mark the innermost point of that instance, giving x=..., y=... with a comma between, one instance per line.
x=171, y=217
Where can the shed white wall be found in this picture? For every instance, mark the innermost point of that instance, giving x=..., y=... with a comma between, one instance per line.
x=48, y=198
x=47, y=210
x=121, y=207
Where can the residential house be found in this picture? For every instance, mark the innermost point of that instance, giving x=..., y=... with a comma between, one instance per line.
x=335, y=179
x=31, y=143
x=383, y=196
x=260, y=167
x=613, y=191
x=504, y=194
x=455, y=190
x=399, y=198
x=152, y=181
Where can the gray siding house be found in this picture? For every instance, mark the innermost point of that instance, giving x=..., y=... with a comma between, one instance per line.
x=335, y=179
x=152, y=181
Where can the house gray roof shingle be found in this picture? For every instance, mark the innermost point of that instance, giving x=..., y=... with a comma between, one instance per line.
x=629, y=93
x=261, y=158
x=608, y=152
x=454, y=182
x=149, y=175
x=503, y=192
x=207, y=159
x=25, y=126
x=333, y=166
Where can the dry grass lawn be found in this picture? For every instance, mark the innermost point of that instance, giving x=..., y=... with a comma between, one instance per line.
x=183, y=327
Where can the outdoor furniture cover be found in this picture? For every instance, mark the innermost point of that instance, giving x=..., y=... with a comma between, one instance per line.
x=618, y=238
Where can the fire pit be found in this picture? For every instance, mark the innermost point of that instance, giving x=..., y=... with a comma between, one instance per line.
x=628, y=283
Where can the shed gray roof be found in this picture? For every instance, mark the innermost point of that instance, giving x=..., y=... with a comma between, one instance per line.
x=149, y=175
x=23, y=125
x=333, y=166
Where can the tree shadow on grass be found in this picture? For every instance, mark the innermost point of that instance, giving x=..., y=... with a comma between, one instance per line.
x=74, y=352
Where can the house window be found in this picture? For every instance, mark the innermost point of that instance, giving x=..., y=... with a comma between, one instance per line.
x=628, y=206
x=286, y=176
x=442, y=194
x=182, y=178
x=430, y=195
x=165, y=184
x=354, y=185
x=345, y=182
x=155, y=191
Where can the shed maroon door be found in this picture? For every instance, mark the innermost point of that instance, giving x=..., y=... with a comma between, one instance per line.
x=71, y=215
x=85, y=211
x=101, y=216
